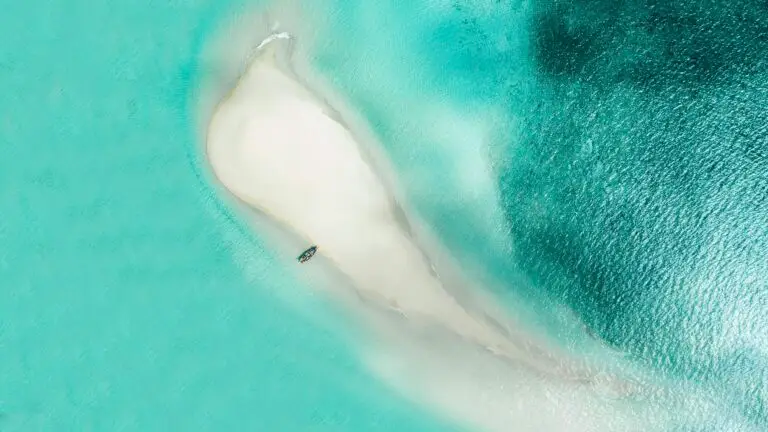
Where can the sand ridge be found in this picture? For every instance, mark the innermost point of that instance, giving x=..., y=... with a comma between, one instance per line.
x=275, y=146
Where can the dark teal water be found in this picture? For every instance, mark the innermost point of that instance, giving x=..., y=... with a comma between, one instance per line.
x=640, y=188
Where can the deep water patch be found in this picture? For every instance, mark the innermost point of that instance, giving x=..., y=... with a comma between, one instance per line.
x=639, y=189
x=651, y=43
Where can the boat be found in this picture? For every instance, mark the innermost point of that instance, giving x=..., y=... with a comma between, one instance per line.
x=307, y=254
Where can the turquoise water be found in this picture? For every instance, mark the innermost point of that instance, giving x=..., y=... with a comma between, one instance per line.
x=122, y=306
x=625, y=142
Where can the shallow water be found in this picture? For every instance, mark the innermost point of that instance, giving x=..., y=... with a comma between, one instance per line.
x=602, y=162
x=123, y=305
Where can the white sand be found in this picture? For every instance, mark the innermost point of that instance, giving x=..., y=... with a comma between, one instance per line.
x=278, y=148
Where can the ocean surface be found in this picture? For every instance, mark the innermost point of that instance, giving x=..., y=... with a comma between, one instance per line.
x=604, y=162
